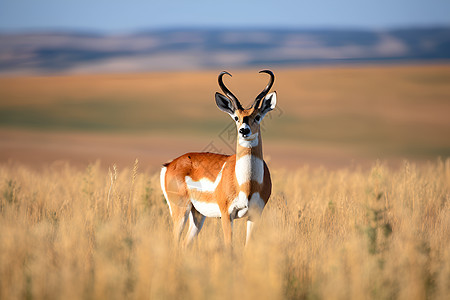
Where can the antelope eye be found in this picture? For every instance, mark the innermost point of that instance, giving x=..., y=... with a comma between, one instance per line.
x=257, y=118
x=236, y=118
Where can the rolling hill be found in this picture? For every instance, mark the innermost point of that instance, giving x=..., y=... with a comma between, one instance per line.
x=195, y=49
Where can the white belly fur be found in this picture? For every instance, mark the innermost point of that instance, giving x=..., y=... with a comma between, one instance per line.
x=238, y=208
x=208, y=209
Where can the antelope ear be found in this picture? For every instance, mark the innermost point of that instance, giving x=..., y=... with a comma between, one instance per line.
x=269, y=102
x=224, y=104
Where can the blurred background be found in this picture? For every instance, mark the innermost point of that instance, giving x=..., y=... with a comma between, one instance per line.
x=82, y=81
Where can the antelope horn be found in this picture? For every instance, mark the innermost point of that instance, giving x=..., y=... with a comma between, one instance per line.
x=266, y=89
x=227, y=92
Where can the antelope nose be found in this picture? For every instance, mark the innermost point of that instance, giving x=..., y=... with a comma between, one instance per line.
x=244, y=131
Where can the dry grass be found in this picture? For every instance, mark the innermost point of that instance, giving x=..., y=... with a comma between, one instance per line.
x=344, y=234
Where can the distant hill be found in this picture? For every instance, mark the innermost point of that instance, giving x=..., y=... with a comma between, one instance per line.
x=186, y=49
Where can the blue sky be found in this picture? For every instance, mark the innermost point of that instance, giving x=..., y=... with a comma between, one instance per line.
x=131, y=15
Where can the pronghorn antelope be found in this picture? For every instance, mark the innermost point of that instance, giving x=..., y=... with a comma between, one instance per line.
x=200, y=185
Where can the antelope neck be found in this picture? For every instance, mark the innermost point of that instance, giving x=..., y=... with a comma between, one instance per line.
x=255, y=151
x=249, y=169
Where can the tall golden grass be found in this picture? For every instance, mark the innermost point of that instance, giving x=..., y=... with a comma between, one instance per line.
x=343, y=234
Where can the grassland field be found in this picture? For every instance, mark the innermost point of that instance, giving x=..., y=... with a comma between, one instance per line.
x=67, y=233
x=360, y=165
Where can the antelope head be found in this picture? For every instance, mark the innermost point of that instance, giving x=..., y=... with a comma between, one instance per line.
x=247, y=120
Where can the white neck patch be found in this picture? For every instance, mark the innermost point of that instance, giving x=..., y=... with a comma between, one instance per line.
x=249, y=142
x=249, y=167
